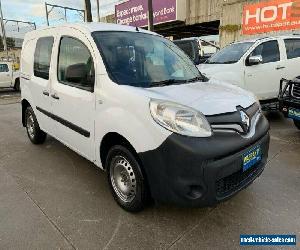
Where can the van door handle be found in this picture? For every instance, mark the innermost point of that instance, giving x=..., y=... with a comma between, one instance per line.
x=280, y=67
x=46, y=93
x=54, y=96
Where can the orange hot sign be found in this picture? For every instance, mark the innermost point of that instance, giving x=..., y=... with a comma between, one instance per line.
x=271, y=16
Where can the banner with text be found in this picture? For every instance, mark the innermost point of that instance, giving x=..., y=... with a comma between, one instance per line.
x=271, y=16
x=135, y=12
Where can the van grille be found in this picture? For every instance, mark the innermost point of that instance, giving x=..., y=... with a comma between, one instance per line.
x=296, y=91
x=230, y=184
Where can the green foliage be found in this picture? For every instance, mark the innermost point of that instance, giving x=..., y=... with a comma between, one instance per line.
x=230, y=27
x=10, y=43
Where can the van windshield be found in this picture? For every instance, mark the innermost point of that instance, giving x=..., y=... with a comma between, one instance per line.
x=144, y=60
x=230, y=54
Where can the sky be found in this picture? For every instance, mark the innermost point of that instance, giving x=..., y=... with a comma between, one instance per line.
x=34, y=11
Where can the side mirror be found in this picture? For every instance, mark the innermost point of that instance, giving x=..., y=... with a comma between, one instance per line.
x=255, y=60
x=76, y=73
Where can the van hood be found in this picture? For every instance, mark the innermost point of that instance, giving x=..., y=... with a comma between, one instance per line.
x=210, y=98
x=210, y=70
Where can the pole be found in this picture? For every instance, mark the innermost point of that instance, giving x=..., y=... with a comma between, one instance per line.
x=88, y=11
x=150, y=16
x=47, y=17
x=98, y=10
x=66, y=15
x=3, y=31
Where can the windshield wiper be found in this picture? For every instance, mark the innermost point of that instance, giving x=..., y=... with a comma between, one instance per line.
x=208, y=62
x=197, y=79
x=167, y=82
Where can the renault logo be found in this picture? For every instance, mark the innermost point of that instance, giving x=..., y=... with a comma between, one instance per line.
x=245, y=120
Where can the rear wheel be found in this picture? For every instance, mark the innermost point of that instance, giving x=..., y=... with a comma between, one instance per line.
x=127, y=182
x=35, y=134
x=297, y=123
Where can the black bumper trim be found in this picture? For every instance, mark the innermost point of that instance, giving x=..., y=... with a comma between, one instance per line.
x=184, y=170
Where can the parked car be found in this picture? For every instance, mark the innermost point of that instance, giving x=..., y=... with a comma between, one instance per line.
x=257, y=65
x=135, y=105
x=289, y=99
x=8, y=77
x=197, y=49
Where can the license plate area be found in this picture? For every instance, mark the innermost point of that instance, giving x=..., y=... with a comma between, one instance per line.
x=294, y=113
x=252, y=157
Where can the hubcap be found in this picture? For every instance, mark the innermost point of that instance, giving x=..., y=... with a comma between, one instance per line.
x=30, y=125
x=123, y=179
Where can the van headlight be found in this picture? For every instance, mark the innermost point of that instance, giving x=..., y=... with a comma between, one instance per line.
x=180, y=119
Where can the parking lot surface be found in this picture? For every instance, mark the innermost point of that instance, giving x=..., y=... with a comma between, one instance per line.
x=51, y=198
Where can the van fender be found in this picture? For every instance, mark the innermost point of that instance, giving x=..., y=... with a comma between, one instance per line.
x=141, y=131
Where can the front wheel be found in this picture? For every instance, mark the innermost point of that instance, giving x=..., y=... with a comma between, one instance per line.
x=35, y=134
x=127, y=182
x=297, y=123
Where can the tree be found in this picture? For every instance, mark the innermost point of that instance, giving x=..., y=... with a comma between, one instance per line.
x=10, y=43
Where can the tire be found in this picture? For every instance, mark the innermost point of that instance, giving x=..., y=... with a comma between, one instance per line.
x=35, y=134
x=297, y=123
x=126, y=179
x=17, y=85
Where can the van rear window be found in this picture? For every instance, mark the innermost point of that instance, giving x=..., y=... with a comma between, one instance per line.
x=42, y=57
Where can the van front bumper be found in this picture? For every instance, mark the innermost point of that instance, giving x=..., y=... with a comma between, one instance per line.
x=199, y=172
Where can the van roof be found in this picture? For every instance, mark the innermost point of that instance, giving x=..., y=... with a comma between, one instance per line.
x=92, y=27
x=287, y=36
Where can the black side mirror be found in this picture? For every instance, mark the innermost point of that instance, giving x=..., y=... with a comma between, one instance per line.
x=76, y=73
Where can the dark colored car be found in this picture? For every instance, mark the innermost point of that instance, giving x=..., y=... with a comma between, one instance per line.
x=289, y=99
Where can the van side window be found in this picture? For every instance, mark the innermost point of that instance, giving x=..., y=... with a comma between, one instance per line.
x=42, y=57
x=75, y=64
x=3, y=68
x=268, y=50
x=292, y=48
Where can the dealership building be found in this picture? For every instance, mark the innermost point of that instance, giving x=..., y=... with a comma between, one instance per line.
x=230, y=19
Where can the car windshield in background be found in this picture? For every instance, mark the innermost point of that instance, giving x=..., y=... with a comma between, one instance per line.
x=144, y=60
x=230, y=54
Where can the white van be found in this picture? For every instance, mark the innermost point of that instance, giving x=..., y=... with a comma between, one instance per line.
x=134, y=104
x=197, y=49
x=257, y=65
x=9, y=78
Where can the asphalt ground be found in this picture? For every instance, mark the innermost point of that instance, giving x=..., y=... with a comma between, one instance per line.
x=52, y=198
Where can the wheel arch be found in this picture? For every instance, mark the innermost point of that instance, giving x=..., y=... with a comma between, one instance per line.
x=24, y=104
x=111, y=139
x=17, y=80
